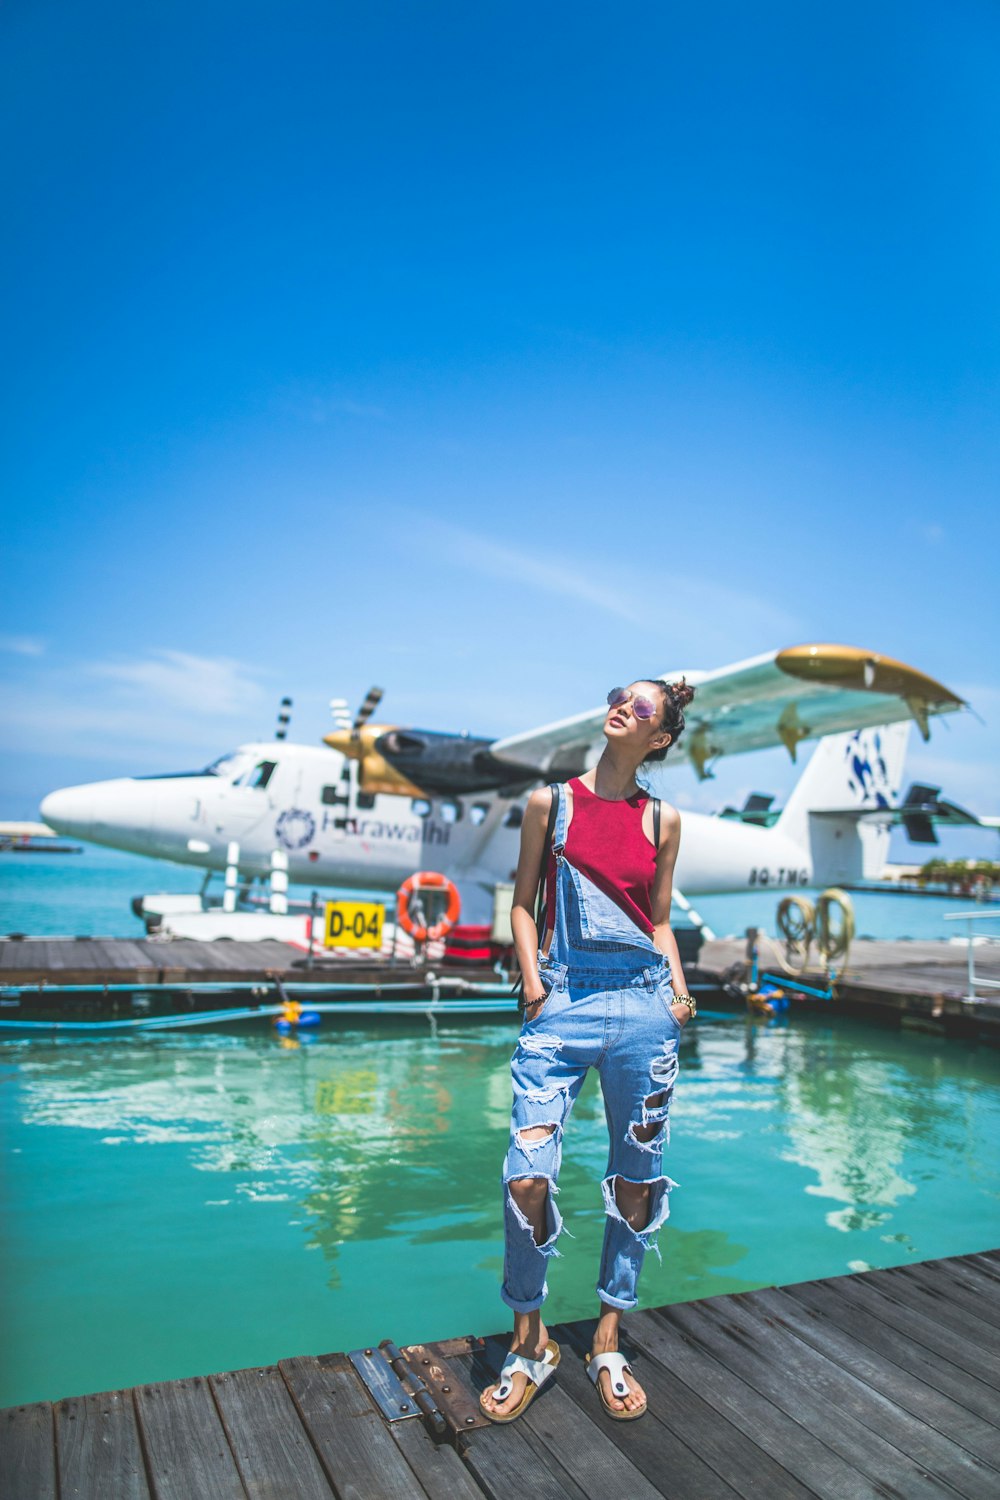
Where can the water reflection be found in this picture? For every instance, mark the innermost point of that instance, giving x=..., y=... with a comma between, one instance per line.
x=396, y=1134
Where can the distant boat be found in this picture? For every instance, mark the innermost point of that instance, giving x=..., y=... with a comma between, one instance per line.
x=33, y=838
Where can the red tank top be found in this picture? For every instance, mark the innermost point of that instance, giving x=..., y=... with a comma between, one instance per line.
x=606, y=843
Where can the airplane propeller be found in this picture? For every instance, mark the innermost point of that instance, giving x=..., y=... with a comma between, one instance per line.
x=372, y=700
x=347, y=732
x=356, y=738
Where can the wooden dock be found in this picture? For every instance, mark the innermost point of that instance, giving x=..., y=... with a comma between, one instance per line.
x=923, y=984
x=45, y=979
x=91, y=979
x=875, y=1385
x=58, y=962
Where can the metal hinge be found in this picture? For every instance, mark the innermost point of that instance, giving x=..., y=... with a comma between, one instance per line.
x=418, y=1382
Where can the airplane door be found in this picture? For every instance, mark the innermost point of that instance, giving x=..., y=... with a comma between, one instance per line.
x=240, y=805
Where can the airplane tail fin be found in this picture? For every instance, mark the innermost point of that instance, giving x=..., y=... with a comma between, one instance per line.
x=848, y=775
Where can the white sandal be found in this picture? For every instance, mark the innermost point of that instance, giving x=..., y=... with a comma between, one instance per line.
x=538, y=1372
x=616, y=1364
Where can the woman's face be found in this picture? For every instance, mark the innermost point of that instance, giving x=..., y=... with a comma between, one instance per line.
x=629, y=722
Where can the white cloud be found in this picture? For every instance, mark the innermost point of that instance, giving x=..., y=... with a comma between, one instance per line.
x=135, y=711
x=322, y=408
x=22, y=645
x=204, y=684
x=457, y=546
x=711, y=621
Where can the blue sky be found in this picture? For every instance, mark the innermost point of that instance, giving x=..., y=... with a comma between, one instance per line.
x=491, y=353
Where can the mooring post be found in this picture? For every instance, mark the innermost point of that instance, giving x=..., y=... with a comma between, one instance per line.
x=313, y=907
x=279, y=882
x=232, y=876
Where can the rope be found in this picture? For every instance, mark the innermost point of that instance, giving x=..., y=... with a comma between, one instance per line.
x=830, y=924
x=834, y=935
x=796, y=921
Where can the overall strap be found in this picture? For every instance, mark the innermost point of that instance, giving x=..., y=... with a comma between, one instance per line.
x=542, y=900
x=656, y=824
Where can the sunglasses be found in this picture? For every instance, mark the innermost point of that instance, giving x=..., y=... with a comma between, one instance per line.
x=643, y=708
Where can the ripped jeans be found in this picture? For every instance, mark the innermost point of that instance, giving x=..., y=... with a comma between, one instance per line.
x=614, y=1017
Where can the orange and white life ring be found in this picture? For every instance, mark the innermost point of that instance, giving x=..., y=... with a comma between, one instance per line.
x=425, y=880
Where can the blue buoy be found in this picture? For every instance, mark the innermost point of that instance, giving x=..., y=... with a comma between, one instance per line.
x=288, y=1024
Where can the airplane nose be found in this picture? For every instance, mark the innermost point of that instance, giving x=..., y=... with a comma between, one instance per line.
x=70, y=810
x=105, y=812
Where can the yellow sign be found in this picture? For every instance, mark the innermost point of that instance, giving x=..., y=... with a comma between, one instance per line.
x=351, y=1094
x=353, y=924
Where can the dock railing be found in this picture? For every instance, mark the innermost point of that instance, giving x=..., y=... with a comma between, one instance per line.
x=971, y=939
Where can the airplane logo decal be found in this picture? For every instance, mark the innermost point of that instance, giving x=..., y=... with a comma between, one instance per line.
x=295, y=828
x=868, y=774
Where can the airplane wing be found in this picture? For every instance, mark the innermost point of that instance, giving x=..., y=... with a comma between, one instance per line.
x=781, y=698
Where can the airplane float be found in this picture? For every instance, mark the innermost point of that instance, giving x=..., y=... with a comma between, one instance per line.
x=380, y=801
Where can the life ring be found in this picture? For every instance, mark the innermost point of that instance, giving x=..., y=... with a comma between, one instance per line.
x=427, y=880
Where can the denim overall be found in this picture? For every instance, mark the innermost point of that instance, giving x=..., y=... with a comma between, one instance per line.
x=608, y=1007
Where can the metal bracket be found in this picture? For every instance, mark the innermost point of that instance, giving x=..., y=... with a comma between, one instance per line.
x=453, y=1396
x=383, y=1385
x=418, y=1382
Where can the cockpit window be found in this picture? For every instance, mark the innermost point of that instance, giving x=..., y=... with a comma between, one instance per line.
x=239, y=766
x=232, y=766
x=259, y=776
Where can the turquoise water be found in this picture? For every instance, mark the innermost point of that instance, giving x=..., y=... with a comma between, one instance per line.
x=48, y=895
x=180, y=1204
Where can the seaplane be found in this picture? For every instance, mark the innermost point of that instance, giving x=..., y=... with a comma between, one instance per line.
x=376, y=802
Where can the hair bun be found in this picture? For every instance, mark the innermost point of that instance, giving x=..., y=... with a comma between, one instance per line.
x=680, y=692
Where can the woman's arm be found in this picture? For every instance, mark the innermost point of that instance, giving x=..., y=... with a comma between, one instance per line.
x=527, y=938
x=663, y=886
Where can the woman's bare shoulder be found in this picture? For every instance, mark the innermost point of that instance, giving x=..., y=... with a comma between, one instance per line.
x=539, y=804
x=670, y=823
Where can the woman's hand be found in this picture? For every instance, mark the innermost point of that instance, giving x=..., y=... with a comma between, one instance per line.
x=534, y=998
x=681, y=1013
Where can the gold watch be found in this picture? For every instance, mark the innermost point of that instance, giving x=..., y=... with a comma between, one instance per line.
x=689, y=1001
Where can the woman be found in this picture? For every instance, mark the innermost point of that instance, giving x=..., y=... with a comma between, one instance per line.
x=604, y=988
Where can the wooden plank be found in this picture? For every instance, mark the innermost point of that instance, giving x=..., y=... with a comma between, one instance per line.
x=187, y=1451
x=949, y=1417
x=940, y=1351
x=789, y=1444
x=57, y=956
x=494, y=1457
x=987, y=1261
x=934, y=1305
x=939, y=1283
x=672, y=1439
x=272, y=1450
x=28, y=1453
x=961, y=1273
x=441, y=1472
x=506, y=1466
x=104, y=955
x=565, y=1435
x=128, y=954
x=882, y=1440
x=98, y=1449
x=354, y=1446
